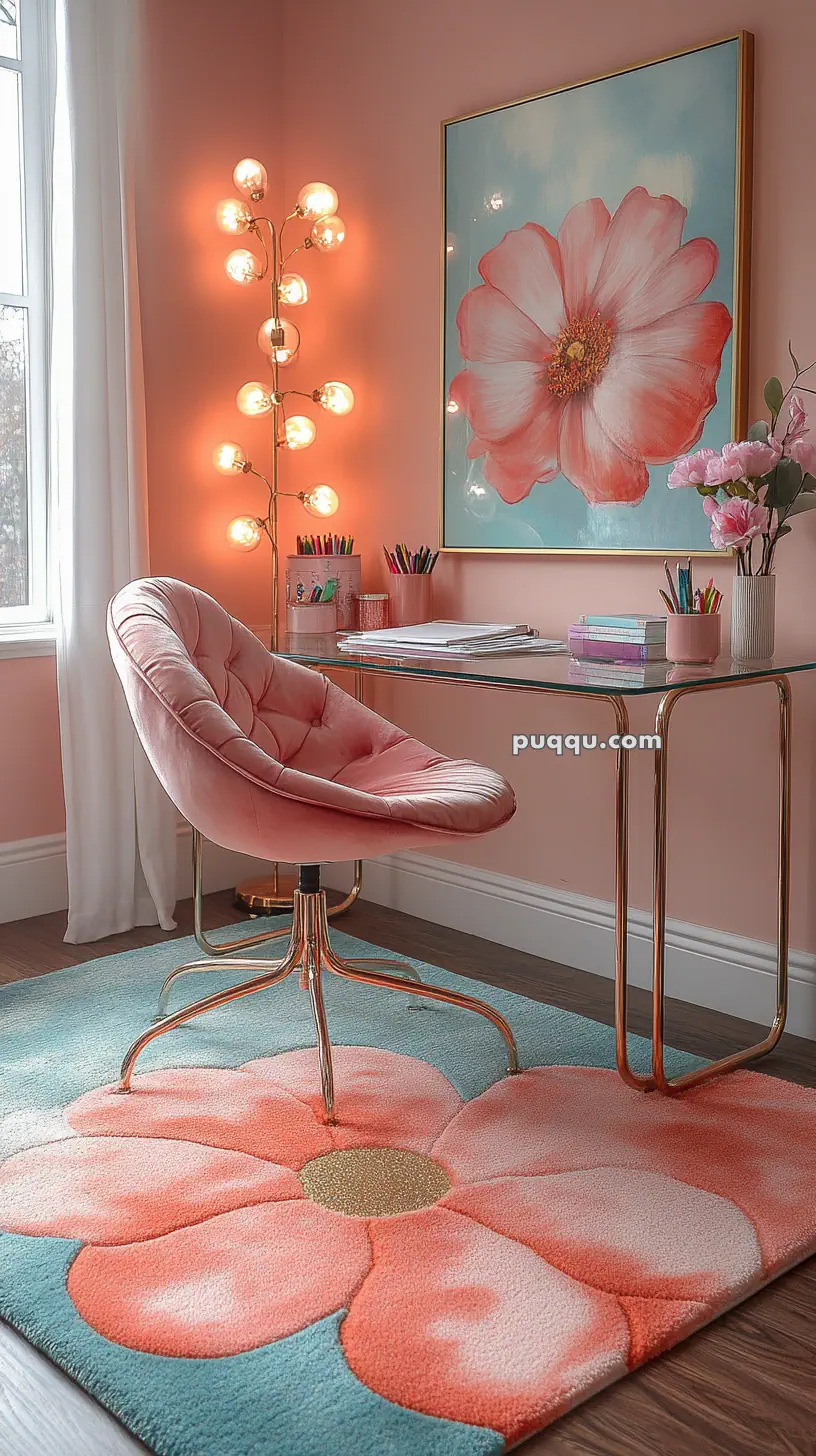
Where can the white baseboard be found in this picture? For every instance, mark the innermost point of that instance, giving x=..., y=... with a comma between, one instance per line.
x=34, y=875
x=711, y=968
x=707, y=967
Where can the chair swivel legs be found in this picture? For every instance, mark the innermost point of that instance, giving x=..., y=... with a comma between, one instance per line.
x=375, y=977
x=313, y=971
x=310, y=952
x=277, y=971
x=371, y=963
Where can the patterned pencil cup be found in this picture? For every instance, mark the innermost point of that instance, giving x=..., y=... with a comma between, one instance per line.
x=693, y=637
x=410, y=598
x=753, y=618
x=311, y=571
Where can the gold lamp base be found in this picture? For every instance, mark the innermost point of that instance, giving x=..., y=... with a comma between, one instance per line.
x=271, y=895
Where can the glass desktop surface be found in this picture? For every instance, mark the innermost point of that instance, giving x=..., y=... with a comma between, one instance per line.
x=527, y=670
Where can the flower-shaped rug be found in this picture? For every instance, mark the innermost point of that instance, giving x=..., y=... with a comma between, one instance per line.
x=446, y=1270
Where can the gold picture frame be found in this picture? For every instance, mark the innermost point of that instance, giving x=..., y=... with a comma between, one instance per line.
x=737, y=345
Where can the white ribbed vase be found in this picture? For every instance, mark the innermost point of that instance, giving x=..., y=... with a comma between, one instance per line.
x=753, y=618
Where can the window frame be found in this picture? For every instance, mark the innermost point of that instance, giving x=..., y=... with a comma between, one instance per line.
x=32, y=624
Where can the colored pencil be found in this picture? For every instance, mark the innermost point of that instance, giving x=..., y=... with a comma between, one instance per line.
x=410, y=563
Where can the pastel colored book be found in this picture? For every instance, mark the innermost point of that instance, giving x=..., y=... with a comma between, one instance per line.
x=589, y=648
x=618, y=674
x=620, y=634
x=594, y=620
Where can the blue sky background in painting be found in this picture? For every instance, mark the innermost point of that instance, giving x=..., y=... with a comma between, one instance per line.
x=670, y=127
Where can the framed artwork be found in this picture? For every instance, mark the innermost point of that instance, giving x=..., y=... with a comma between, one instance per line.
x=596, y=284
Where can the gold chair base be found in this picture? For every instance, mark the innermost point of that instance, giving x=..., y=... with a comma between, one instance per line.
x=271, y=895
x=309, y=951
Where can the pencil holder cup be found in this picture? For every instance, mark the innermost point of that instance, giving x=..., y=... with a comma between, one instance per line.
x=410, y=598
x=693, y=637
x=312, y=571
x=311, y=617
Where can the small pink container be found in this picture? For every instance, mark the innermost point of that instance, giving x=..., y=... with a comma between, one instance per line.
x=410, y=598
x=371, y=611
x=693, y=637
x=311, y=617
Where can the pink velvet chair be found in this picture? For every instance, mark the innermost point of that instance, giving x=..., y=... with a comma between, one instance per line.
x=270, y=758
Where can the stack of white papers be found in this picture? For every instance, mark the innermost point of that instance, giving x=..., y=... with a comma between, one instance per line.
x=450, y=639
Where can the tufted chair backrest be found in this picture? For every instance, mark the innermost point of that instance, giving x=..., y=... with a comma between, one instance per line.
x=181, y=655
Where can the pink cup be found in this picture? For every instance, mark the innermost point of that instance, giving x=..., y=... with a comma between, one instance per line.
x=693, y=637
x=410, y=598
x=311, y=617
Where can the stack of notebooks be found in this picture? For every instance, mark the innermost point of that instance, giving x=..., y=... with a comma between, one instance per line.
x=450, y=639
x=619, y=649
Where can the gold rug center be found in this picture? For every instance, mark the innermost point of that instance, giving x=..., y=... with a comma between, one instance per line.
x=374, y=1182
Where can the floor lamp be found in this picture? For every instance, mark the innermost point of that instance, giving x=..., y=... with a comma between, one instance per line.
x=279, y=341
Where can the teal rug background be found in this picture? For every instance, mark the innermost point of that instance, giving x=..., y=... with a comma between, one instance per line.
x=64, y=1033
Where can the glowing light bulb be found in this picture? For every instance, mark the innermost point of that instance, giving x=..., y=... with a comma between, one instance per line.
x=254, y=399
x=244, y=533
x=250, y=178
x=292, y=290
x=229, y=458
x=233, y=216
x=317, y=199
x=328, y=233
x=452, y=407
x=335, y=397
x=279, y=339
x=300, y=432
x=321, y=500
x=242, y=266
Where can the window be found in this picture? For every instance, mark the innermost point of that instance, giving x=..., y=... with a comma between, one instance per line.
x=23, y=326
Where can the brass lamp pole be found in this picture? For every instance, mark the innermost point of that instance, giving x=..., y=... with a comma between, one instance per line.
x=279, y=340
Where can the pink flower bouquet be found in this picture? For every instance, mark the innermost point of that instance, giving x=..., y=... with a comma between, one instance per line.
x=752, y=486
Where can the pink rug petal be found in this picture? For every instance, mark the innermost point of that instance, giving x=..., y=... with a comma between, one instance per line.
x=747, y=1137
x=110, y=1190
x=233, y=1283
x=624, y=1231
x=487, y=1332
x=218, y=1105
x=657, y=1324
x=382, y=1097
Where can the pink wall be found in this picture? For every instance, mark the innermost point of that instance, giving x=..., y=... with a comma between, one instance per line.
x=208, y=104
x=380, y=78
x=31, y=798
x=386, y=75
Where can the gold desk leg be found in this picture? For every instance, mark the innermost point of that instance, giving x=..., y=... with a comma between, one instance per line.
x=761, y=1048
x=631, y=1078
x=209, y=947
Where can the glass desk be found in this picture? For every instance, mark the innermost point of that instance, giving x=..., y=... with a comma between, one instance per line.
x=667, y=685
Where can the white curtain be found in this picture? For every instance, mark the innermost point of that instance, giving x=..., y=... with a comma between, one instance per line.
x=121, y=828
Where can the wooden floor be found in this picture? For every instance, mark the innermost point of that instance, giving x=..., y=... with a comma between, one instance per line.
x=746, y=1386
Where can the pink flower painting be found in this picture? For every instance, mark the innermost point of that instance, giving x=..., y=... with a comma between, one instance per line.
x=590, y=353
